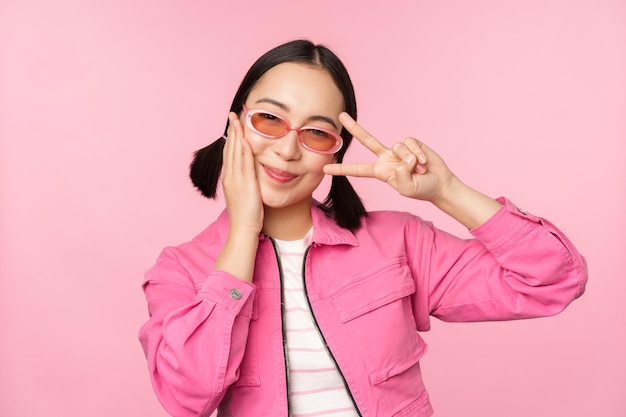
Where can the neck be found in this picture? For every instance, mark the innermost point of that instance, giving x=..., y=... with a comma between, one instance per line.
x=288, y=223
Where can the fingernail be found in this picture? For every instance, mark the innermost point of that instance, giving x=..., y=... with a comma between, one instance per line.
x=422, y=159
x=409, y=159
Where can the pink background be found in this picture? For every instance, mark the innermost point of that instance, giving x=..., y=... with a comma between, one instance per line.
x=103, y=102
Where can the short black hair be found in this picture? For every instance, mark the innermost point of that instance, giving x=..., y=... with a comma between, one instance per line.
x=342, y=202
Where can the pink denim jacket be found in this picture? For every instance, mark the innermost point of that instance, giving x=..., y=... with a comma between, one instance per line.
x=214, y=341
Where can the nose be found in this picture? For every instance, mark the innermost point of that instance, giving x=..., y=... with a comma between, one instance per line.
x=288, y=147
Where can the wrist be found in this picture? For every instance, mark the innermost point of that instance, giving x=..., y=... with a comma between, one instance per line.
x=449, y=192
x=465, y=204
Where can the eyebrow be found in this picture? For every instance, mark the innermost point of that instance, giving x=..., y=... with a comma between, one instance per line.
x=284, y=107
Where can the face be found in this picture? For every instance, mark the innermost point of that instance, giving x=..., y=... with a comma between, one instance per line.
x=287, y=172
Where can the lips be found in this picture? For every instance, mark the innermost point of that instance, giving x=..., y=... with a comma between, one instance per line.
x=278, y=175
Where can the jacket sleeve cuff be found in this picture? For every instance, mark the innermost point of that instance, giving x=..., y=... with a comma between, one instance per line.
x=506, y=227
x=230, y=292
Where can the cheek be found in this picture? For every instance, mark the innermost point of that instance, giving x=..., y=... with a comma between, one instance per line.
x=317, y=166
x=257, y=144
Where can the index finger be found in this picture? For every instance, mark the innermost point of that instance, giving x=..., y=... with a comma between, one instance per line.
x=362, y=135
x=351, y=170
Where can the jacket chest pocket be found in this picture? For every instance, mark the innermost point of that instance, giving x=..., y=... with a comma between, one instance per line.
x=376, y=313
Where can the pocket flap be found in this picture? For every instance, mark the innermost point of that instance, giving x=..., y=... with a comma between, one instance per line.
x=247, y=381
x=385, y=285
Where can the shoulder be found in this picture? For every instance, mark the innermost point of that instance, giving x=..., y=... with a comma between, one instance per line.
x=389, y=218
x=388, y=225
x=202, y=248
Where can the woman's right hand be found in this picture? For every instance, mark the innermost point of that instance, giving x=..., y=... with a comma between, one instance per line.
x=244, y=205
x=239, y=182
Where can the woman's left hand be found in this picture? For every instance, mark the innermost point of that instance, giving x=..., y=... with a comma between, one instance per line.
x=410, y=167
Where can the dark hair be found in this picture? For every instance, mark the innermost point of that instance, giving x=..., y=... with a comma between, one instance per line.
x=342, y=202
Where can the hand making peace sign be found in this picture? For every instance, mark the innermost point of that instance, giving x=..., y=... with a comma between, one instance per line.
x=410, y=167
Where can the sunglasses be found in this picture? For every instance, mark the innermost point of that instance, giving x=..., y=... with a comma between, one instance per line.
x=273, y=126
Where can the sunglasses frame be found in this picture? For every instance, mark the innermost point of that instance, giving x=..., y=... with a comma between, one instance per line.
x=248, y=113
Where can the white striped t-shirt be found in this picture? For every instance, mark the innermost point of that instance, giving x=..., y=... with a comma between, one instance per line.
x=315, y=386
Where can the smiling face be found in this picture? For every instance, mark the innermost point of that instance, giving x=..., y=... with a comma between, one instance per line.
x=304, y=96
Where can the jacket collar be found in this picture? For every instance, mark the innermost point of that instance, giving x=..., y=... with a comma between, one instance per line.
x=325, y=230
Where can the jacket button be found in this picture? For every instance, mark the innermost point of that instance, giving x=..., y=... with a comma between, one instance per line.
x=235, y=294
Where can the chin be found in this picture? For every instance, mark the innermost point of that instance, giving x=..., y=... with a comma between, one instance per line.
x=272, y=203
x=277, y=202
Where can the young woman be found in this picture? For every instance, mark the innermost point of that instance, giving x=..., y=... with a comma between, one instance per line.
x=287, y=306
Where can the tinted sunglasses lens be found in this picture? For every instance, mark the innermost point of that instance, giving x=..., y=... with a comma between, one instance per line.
x=273, y=126
x=319, y=140
x=268, y=124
